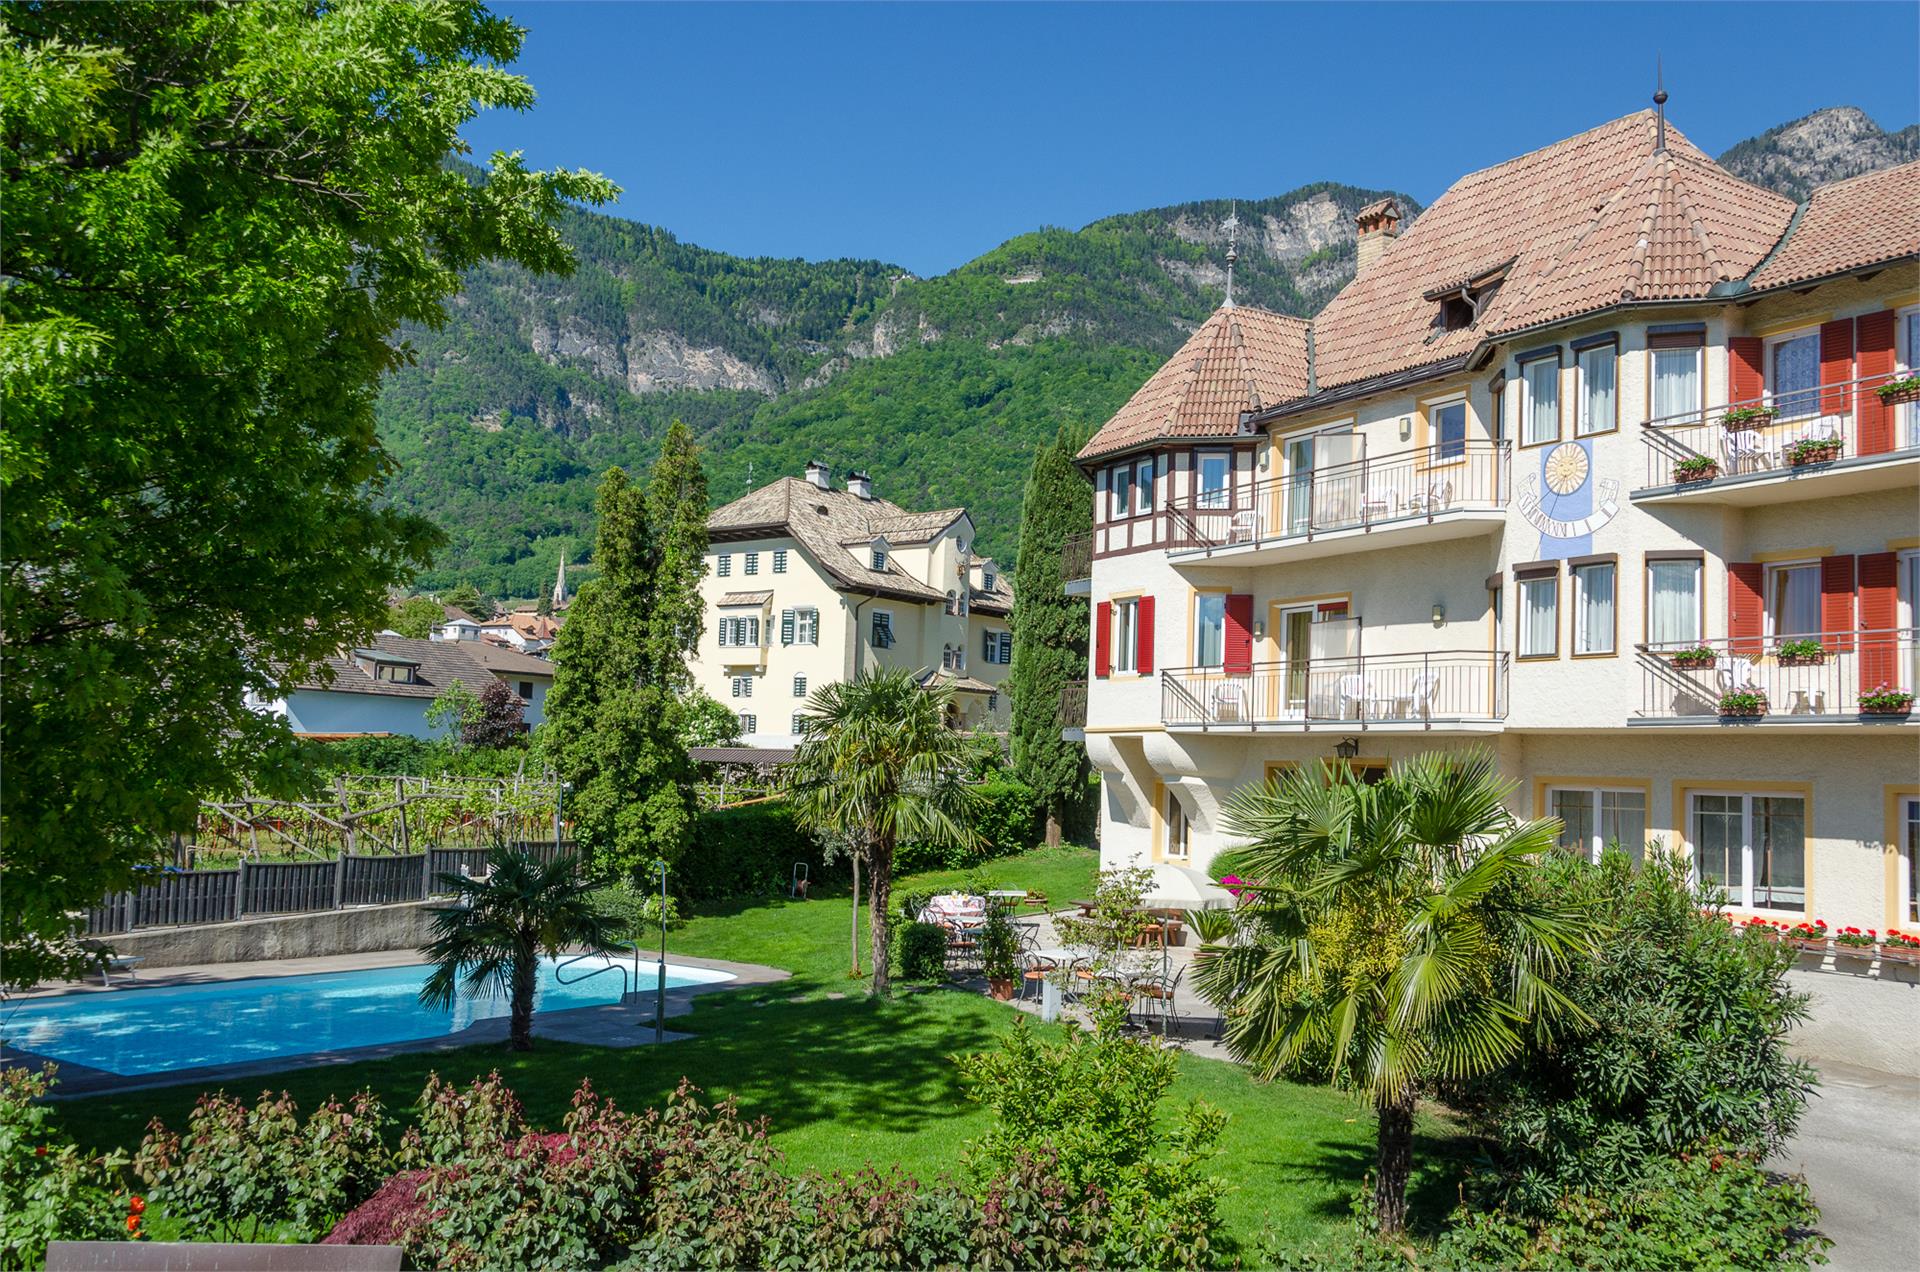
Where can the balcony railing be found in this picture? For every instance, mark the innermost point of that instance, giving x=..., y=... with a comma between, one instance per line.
x=1451, y=686
x=1073, y=705
x=1076, y=558
x=1799, y=429
x=1826, y=687
x=1406, y=486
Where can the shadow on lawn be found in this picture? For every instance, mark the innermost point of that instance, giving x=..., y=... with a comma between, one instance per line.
x=1432, y=1194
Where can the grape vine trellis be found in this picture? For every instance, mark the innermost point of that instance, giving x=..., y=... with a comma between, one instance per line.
x=374, y=816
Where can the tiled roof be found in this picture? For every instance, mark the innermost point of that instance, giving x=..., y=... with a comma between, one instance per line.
x=1240, y=359
x=440, y=663
x=528, y=623
x=825, y=522
x=1847, y=225
x=746, y=598
x=912, y=527
x=997, y=601
x=1589, y=222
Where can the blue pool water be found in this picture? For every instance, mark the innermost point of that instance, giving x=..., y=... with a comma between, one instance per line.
x=133, y=1030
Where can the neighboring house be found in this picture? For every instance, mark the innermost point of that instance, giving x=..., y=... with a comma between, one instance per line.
x=387, y=686
x=525, y=631
x=1455, y=510
x=807, y=585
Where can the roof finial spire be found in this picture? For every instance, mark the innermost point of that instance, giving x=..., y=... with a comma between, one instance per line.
x=1233, y=246
x=1659, y=108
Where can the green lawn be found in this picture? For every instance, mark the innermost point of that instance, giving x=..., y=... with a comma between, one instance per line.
x=849, y=1080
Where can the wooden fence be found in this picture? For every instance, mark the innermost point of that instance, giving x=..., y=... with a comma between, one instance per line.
x=179, y=897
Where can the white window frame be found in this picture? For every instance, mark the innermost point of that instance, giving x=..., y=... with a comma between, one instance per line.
x=806, y=626
x=1221, y=497
x=1772, y=570
x=1580, y=634
x=743, y=686
x=1528, y=414
x=779, y=560
x=1906, y=904
x=1597, y=840
x=1699, y=381
x=1906, y=323
x=1143, y=492
x=1125, y=654
x=1522, y=588
x=1437, y=440
x=1175, y=819
x=1742, y=897
x=1906, y=594
x=1583, y=425
x=1120, y=492
x=1768, y=348
x=1201, y=603
x=1696, y=611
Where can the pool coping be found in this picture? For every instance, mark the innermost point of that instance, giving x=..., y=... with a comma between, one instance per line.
x=627, y=1024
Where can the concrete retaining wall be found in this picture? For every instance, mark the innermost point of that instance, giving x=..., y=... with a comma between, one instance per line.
x=1863, y=1014
x=361, y=930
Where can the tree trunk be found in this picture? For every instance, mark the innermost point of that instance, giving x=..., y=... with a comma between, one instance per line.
x=878, y=903
x=526, y=969
x=1395, y=1163
x=1053, y=828
x=853, y=931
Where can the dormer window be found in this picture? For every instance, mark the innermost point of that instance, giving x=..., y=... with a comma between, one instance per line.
x=879, y=559
x=986, y=580
x=396, y=673
x=1461, y=300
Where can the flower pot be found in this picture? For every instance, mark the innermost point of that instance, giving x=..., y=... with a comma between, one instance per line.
x=1814, y=455
x=1001, y=988
x=1890, y=396
x=1905, y=708
x=1704, y=473
x=1743, y=713
x=1865, y=953
x=1802, y=660
x=1692, y=662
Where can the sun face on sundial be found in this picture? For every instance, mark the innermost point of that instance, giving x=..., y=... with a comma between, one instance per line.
x=1566, y=468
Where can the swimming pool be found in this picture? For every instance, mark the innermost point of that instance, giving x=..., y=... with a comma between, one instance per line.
x=134, y=1031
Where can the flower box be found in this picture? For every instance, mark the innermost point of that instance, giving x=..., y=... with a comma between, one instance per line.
x=1801, y=653
x=1699, y=468
x=1743, y=705
x=1695, y=658
x=1851, y=942
x=1811, y=451
x=1886, y=701
x=1905, y=389
x=1741, y=417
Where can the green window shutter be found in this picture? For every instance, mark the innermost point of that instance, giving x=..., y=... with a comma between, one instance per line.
x=786, y=627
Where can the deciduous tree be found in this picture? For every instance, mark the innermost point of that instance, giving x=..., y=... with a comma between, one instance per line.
x=216, y=218
x=1049, y=633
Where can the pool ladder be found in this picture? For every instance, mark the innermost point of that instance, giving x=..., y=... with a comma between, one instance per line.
x=628, y=984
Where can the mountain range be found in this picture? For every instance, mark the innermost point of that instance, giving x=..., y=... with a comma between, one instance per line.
x=938, y=387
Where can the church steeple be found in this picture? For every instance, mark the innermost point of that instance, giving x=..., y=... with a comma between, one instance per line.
x=560, y=582
x=1233, y=246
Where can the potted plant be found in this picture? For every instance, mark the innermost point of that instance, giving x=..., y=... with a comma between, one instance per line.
x=1904, y=389
x=1000, y=953
x=1855, y=943
x=1900, y=947
x=1801, y=652
x=1749, y=416
x=1743, y=703
x=1813, y=450
x=1696, y=468
x=1886, y=701
x=1698, y=656
x=1808, y=936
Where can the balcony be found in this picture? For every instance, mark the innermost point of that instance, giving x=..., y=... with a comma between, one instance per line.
x=1798, y=692
x=1419, y=496
x=1073, y=711
x=1076, y=564
x=1462, y=691
x=1839, y=439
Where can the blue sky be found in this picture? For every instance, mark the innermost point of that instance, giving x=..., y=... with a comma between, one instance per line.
x=926, y=134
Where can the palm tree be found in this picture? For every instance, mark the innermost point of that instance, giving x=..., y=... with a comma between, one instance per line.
x=492, y=936
x=1394, y=940
x=879, y=763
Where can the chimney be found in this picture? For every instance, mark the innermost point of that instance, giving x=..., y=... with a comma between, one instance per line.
x=860, y=484
x=1378, y=222
x=819, y=474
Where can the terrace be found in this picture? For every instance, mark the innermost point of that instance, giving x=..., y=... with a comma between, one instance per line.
x=1450, y=491
x=1845, y=438
x=1713, y=683
x=1445, y=690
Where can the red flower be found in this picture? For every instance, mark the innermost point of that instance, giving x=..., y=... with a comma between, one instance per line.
x=138, y=1205
x=133, y=1223
x=40, y=1151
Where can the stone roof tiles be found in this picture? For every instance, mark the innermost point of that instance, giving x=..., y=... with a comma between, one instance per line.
x=1240, y=359
x=1849, y=225
x=826, y=522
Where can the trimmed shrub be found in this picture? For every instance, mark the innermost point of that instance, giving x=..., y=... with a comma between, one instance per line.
x=1008, y=821
x=749, y=850
x=923, y=951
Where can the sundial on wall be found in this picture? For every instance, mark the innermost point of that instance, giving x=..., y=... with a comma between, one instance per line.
x=1570, y=508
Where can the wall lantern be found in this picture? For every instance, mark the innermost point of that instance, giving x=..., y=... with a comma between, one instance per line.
x=1439, y=614
x=1406, y=427
x=1347, y=748
x=1259, y=630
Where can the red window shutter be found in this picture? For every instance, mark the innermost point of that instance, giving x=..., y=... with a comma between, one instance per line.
x=1879, y=616
x=1143, y=644
x=1103, y=639
x=1238, y=651
x=1836, y=364
x=1836, y=600
x=1745, y=380
x=1746, y=607
x=1873, y=419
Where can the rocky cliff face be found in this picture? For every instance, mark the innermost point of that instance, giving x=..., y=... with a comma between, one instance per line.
x=1828, y=145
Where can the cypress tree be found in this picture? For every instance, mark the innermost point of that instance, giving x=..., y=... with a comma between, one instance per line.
x=677, y=510
x=1050, y=633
